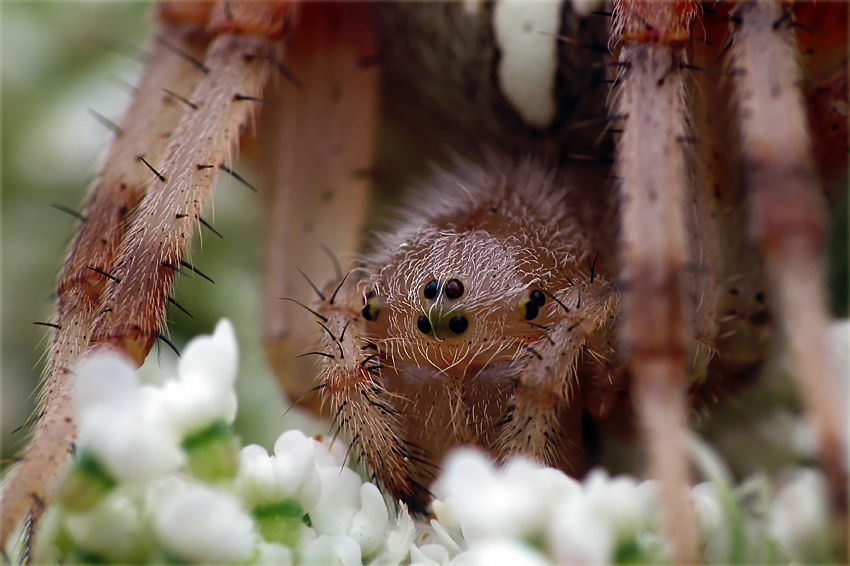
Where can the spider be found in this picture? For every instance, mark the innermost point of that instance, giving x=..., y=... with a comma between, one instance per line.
x=624, y=214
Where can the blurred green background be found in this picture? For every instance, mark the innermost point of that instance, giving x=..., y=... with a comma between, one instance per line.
x=60, y=59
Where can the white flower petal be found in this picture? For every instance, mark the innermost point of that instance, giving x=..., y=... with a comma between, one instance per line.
x=290, y=474
x=347, y=550
x=318, y=551
x=273, y=553
x=799, y=519
x=195, y=402
x=399, y=540
x=487, y=503
x=617, y=501
x=576, y=536
x=256, y=481
x=215, y=357
x=445, y=538
x=709, y=511
x=131, y=447
x=339, y=501
x=327, y=550
x=295, y=464
x=332, y=454
x=204, y=391
x=463, y=469
x=369, y=525
x=197, y=523
x=498, y=552
x=442, y=513
x=554, y=487
x=428, y=555
x=113, y=530
x=104, y=378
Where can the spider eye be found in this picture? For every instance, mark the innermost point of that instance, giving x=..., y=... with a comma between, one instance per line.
x=454, y=288
x=458, y=324
x=431, y=289
x=371, y=309
x=529, y=305
x=423, y=324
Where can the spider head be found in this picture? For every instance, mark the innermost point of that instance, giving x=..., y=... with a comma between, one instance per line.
x=450, y=298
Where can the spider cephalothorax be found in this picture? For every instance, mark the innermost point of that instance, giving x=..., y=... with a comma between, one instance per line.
x=475, y=316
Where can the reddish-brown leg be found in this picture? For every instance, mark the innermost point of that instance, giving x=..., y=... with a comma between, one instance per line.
x=144, y=207
x=654, y=189
x=321, y=182
x=362, y=409
x=788, y=217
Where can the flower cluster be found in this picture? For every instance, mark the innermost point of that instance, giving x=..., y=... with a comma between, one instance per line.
x=526, y=514
x=158, y=476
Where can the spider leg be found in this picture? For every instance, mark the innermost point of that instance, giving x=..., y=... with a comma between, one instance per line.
x=788, y=216
x=318, y=157
x=143, y=209
x=117, y=191
x=652, y=168
x=234, y=73
x=547, y=379
x=364, y=410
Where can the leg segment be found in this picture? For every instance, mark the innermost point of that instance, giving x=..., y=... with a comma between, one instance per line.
x=364, y=409
x=234, y=74
x=144, y=206
x=651, y=165
x=117, y=191
x=547, y=381
x=788, y=215
x=321, y=181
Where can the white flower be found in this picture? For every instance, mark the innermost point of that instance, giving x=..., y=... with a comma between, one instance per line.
x=712, y=521
x=398, y=541
x=451, y=538
x=800, y=517
x=135, y=431
x=197, y=523
x=339, y=501
x=487, y=503
x=503, y=552
x=587, y=528
x=273, y=553
x=104, y=378
x=113, y=419
x=328, y=550
x=579, y=523
x=340, y=504
x=290, y=474
x=521, y=513
x=204, y=390
x=429, y=555
x=333, y=453
x=114, y=530
x=577, y=537
x=369, y=524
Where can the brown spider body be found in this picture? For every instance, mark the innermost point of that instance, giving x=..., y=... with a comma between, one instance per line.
x=481, y=286
x=510, y=306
